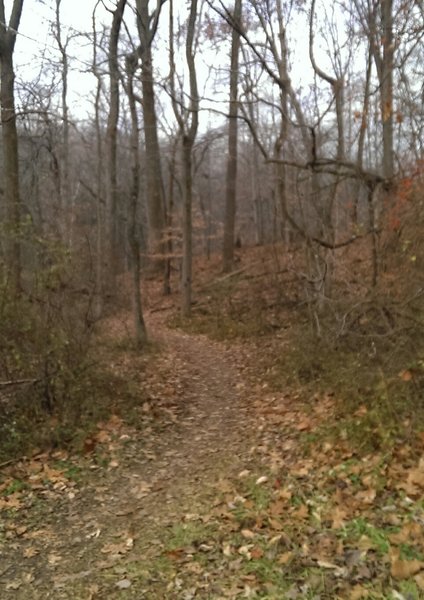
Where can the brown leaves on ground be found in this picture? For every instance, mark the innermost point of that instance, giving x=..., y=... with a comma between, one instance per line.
x=357, y=518
x=305, y=516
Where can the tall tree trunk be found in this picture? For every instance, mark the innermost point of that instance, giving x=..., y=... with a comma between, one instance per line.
x=258, y=200
x=140, y=327
x=147, y=25
x=361, y=138
x=187, y=228
x=188, y=143
x=172, y=167
x=65, y=209
x=100, y=208
x=281, y=141
x=231, y=175
x=111, y=141
x=188, y=122
x=377, y=21
x=387, y=87
x=10, y=140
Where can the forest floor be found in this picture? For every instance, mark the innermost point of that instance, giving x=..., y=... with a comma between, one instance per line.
x=218, y=486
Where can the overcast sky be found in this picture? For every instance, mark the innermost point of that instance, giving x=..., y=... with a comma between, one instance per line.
x=36, y=47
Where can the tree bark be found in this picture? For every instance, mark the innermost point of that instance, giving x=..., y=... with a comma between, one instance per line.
x=188, y=121
x=111, y=140
x=147, y=25
x=65, y=210
x=231, y=174
x=387, y=87
x=10, y=141
x=380, y=35
x=188, y=143
x=100, y=208
x=140, y=327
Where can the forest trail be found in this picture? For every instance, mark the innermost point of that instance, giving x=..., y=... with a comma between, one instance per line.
x=217, y=486
x=107, y=536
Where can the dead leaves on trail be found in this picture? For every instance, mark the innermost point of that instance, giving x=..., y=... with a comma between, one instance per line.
x=303, y=516
x=311, y=520
x=358, y=520
x=40, y=492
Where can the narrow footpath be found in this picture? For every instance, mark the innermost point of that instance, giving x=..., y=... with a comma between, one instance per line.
x=117, y=532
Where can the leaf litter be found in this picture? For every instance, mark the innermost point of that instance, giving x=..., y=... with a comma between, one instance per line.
x=217, y=496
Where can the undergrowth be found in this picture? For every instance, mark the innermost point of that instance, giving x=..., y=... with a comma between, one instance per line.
x=56, y=380
x=369, y=354
x=378, y=388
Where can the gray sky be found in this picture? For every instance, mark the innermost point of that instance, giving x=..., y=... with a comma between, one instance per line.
x=36, y=46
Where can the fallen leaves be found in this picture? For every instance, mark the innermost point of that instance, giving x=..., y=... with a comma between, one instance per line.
x=124, y=584
x=11, y=502
x=414, y=485
x=338, y=517
x=118, y=548
x=404, y=569
x=293, y=520
x=419, y=580
x=410, y=532
x=344, y=514
x=285, y=558
x=248, y=534
x=30, y=552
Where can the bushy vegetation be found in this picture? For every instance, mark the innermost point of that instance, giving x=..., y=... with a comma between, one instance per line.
x=52, y=384
x=362, y=344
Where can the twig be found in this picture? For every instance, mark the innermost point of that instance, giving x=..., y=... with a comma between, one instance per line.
x=17, y=382
x=161, y=308
x=225, y=277
x=6, y=463
x=6, y=570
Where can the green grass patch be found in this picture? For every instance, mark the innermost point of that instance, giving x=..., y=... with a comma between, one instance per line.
x=268, y=572
x=70, y=470
x=409, y=589
x=15, y=486
x=356, y=529
x=183, y=535
x=260, y=495
x=379, y=386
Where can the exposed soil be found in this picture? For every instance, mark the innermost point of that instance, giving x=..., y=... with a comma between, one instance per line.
x=74, y=541
x=216, y=484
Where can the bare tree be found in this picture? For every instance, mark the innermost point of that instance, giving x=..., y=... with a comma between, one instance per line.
x=8, y=34
x=64, y=183
x=231, y=176
x=112, y=134
x=336, y=82
x=188, y=121
x=140, y=327
x=99, y=187
x=147, y=23
x=376, y=18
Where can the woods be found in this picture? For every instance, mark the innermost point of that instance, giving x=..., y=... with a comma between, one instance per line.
x=248, y=170
x=333, y=137
x=209, y=127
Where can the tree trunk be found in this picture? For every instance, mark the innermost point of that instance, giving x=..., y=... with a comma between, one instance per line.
x=380, y=35
x=188, y=121
x=387, y=87
x=10, y=141
x=170, y=217
x=186, y=275
x=187, y=144
x=155, y=192
x=111, y=141
x=100, y=209
x=140, y=327
x=65, y=209
x=231, y=176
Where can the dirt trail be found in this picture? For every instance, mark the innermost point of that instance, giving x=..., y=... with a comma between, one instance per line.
x=96, y=543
